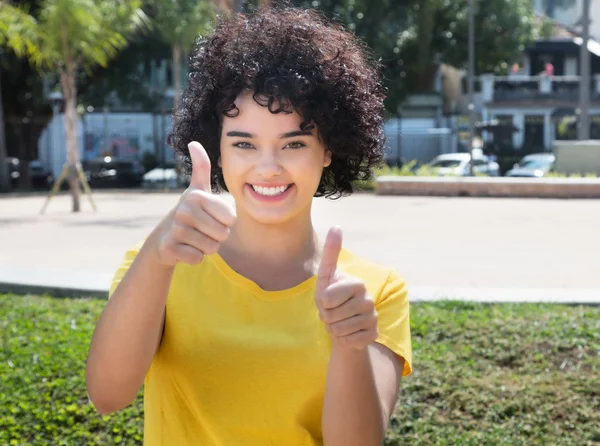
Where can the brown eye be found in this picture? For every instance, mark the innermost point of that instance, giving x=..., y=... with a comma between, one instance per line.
x=243, y=145
x=296, y=145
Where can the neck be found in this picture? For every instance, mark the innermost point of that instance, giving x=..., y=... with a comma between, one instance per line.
x=292, y=243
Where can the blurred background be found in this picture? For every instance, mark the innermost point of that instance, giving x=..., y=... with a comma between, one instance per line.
x=525, y=84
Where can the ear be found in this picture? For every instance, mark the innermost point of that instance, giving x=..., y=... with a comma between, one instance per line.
x=327, y=158
x=219, y=162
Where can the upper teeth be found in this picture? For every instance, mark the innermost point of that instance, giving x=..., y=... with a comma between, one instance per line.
x=270, y=190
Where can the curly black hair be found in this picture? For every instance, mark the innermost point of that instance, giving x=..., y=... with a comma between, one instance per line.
x=297, y=58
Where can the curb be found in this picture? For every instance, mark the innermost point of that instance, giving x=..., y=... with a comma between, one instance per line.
x=98, y=191
x=502, y=187
x=53, y=291
x=417, y=294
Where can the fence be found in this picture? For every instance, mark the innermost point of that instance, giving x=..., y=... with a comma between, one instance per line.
x=421, y=145
x=125, y=135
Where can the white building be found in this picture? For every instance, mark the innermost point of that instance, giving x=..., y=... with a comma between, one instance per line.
x=542, y=107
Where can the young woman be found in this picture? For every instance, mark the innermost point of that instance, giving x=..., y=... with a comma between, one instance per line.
x=244, y=327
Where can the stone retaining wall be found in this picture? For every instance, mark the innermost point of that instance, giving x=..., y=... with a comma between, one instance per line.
x=489, y=187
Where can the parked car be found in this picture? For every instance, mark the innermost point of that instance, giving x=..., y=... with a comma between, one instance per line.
x=113, y=172
x=168, y=176
x=535, y=165
x=459, y=164
x=14, y=171
x=39, y=176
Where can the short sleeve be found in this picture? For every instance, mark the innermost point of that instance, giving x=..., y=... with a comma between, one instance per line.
x=130, y=256
x=394, y=319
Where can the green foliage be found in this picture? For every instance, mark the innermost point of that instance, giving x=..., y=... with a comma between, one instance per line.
x=83, y=32
x=514, y=374
x=181, y=21
x=572, y=175
x=410, y=36
x=511, y=374
x=43, y=399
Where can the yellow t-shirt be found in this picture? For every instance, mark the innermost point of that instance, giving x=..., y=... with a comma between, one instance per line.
x=239, y=365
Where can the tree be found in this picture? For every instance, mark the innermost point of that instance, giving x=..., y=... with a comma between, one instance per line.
x=65, y=36
x=180, y=22
x=20, y=44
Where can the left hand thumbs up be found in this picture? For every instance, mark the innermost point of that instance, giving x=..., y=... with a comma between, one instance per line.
x=343, y=302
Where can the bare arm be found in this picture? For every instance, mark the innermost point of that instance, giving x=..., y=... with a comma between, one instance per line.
x=127, y=335
x=362, y=389
x=129, y=330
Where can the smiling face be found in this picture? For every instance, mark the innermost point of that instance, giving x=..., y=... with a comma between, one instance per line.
x=270, y=166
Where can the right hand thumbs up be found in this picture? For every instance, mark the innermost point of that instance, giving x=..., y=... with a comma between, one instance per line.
x=199, y=223
x=200, y=167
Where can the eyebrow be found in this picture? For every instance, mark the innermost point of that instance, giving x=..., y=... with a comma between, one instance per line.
x=235, y=133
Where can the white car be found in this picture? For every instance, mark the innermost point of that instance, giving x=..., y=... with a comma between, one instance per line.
x=168, y=177
x=458, y=164
x=535, y=165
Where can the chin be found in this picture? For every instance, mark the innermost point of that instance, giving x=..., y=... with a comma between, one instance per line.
x=271, y=218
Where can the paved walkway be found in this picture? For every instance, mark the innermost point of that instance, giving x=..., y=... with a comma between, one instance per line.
x=466, y=248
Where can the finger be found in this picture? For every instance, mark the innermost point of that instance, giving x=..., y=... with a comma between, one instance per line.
x=187, y=254
x=340, y=293
x=200, y=167
x=202, y=221
x=360, y=339
x=217, y=208
x=186, y=235
x=352, y=325
x=352, y=307
x=329, y=259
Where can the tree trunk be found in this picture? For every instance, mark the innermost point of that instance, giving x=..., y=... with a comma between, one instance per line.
x=67, y=82
x=4, y=171
x=177, y=53
x=425, y=30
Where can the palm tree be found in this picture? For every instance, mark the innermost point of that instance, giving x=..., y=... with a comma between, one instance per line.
x=180, y=22
x=65, y=37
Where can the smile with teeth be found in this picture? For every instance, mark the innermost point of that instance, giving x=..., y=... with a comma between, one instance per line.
x=270, y=191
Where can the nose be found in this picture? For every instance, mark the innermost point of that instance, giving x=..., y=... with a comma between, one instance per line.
x=268, y=165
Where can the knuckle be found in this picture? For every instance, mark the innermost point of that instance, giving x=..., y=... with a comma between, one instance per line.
x=335, y=329
x=183, y=214
x=375, y=333
x=211, y=246
x=170, y=249
x=326, y=316
x=178, y=231
x=196, y=258
x=222, y=233
x=359, y=287
x=369, y=304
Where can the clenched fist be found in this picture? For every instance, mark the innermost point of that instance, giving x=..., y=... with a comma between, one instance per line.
x=343, y=302
x=198, y=224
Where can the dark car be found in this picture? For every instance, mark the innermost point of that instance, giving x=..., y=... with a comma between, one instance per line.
x=113, y=172
x=14, y=171
x=40, y=177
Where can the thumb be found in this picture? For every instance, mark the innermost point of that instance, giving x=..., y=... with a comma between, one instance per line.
x=329, y=259
x=200, y=166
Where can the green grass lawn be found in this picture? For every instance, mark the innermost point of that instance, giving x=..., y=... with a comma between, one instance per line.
x=483, y=375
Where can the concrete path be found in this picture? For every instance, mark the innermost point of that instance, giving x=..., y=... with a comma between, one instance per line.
x=466, y=248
